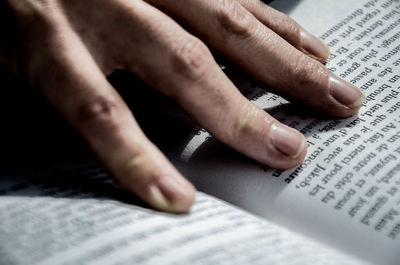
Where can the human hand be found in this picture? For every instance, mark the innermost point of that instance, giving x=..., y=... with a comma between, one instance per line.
x=66, y=47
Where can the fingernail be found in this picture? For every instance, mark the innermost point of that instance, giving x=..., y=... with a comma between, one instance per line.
x=157, y=199
x=171, y=195
x=287, y=140
x=172, y=188
x=314, y=46
x=345, y=93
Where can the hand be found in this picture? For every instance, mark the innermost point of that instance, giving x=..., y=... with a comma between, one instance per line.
x=66, y=47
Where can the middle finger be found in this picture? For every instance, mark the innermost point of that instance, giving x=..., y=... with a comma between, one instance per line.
x=235, y=33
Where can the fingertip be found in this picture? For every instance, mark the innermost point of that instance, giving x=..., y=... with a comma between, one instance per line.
x=288, y=141
x=172, y=194
x=313, y=46
x=347, y=97
x=150, y=176
x=286, y=147
x=178, y=193
x=166, y=194
x=346, y=93
x=294, y=162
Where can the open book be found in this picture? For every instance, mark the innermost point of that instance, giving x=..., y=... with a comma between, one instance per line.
x=341, y=206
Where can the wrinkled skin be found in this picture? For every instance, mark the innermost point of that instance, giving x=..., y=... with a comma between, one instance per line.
x=67, y=47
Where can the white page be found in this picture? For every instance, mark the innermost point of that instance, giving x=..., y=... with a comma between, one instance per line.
x=362, y=217
x=219, y=171
x=79, y=217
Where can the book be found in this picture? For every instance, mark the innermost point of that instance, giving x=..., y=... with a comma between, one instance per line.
x=340, y=206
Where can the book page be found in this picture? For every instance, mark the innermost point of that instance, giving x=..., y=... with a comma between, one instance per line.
x=34, y=213
x=79, y=217
x=346, y=193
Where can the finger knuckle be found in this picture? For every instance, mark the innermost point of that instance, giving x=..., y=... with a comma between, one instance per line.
x=244, y=124
x=290, y=24
x=192, y=60
x=99, y=113
x=289, y=30
x=234, y=19
x=306, y=71
x=141, y=169
x=38, y=27
x=38, y=11
x=136, y=163
x=282, y=22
